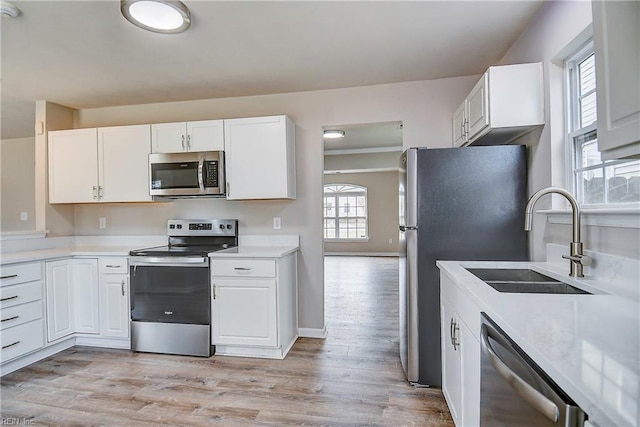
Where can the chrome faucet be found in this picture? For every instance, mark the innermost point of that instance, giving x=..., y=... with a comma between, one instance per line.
x=577, y=258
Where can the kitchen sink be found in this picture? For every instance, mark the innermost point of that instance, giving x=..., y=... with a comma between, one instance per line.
x=523, y=281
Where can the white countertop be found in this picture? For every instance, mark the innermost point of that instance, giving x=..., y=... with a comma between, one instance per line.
x=255, y=252
x=588, y=344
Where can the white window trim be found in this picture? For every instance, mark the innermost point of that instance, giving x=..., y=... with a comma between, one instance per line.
x=363, y=192
x=627, y=217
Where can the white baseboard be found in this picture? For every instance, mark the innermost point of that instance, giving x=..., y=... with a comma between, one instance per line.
x=392, y=254
x=312, y=332
x=36, y=356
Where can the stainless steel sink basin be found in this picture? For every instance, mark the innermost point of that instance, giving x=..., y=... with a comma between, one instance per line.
x=523, y=281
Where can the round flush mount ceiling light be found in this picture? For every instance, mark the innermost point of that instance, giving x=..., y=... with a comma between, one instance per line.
x=7, y=10
x=333, y=134
x=159, y=16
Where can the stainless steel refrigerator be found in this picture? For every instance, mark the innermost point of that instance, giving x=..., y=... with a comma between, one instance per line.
x=455, y=204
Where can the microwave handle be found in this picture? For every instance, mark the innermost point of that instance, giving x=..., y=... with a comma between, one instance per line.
x=201, y=174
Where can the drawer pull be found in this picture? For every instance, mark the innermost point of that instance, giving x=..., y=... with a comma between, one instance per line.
x=242, y=268
x=112, y=266
x=11, y=276
x=10, y=345
x=8, y=298
x=10, y=318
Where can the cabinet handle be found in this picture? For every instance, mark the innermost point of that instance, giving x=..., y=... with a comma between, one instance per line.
x=188, y=142
x=242, y=268
x=11, y=276
x=123, y=288
x=100, y=192
x=112, y=266
x=454, y=337
x=10, y=345
x=8, y=298
x=183, y=147
x=451, y=331
x=214, y=291
x=10, y=318
x=95, y=192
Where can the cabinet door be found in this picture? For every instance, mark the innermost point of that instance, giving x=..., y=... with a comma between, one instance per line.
x=451, y=362
x=478, y=108
x=260, y=158
x=459, y=126
x=123, y=152
x=169, y=137
x=114, y=305
x=86, y=296
x=244, y=312
x=205, y=135
x=73, y=166
x=59, y=291
x=616, y=28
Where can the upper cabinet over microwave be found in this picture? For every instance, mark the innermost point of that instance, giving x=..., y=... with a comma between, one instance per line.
x=616, y=36
x=178, y=137
x=506, y=103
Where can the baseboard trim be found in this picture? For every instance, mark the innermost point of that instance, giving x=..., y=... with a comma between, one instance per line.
x=312, y=332
x=391, y=254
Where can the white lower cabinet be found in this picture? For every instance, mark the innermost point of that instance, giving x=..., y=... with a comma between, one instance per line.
x=21, y=310
x=254, y=306
x=460, y=354
x=60, y=298
x=86, y=297
x=114, y=297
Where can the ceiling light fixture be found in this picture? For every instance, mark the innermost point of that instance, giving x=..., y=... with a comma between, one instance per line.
x=333, y=134
x=7, y=10
x=159, y=16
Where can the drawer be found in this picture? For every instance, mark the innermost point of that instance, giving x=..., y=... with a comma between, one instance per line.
x=20, y=273
x=22, y=339
x=20, y=294
x=114, y=265
x=19, y=314
x=243, y=267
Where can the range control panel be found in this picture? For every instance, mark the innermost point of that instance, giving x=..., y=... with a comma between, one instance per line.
x=202, y=227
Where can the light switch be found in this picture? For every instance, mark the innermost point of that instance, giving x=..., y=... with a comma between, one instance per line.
x=24, y=216
x=276, y=223
x=102, y=222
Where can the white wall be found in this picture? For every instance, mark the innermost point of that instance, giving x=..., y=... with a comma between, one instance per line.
x=17, y=176
x=424, y=108
x=549, y=38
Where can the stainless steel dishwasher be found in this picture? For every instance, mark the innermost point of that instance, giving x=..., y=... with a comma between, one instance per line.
x=514, y=391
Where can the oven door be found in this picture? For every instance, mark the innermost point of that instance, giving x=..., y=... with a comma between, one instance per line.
x=170, y=290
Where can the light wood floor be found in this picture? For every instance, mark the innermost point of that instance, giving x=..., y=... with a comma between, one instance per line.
x=352, y=378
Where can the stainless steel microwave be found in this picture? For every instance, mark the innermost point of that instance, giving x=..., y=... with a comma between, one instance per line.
x=187, y=174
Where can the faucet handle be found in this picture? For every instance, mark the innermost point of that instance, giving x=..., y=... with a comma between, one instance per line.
x=580, y=259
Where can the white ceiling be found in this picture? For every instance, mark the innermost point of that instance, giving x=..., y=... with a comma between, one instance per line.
x=83, y=54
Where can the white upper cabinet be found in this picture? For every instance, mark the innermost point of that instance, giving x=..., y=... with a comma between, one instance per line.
x=99, y=165
x=260, y=158
x=616, y=30
x=204, y=135
x=73, y=166
x=506, y=103
x=123, y=168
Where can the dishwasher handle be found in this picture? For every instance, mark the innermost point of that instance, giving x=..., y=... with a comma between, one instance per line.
x=532, y=396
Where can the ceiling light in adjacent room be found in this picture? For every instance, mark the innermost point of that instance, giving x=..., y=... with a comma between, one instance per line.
x=333, y=134
x=7, y=10
x=159, y=16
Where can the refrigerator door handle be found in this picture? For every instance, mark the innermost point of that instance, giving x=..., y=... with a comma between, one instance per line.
x=407, y=227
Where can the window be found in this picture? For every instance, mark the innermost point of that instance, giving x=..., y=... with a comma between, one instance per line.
x=595, y=182
x=345, y=212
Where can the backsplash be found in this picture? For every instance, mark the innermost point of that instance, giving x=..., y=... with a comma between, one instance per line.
x=621, y=275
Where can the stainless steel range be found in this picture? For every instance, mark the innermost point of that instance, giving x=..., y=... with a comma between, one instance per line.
x=170, y=288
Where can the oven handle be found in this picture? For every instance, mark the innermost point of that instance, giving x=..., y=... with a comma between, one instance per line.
x=170, y=261
x=532, y=396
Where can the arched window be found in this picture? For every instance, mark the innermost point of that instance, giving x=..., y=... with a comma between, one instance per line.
x=345, y=212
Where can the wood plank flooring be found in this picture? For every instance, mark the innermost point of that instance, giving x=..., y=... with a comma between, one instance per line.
x=352, y=378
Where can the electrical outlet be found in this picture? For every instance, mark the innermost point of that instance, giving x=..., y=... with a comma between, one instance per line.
x=276, y=223
x=390, y=241
x=102, y=222
x=24, y=216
